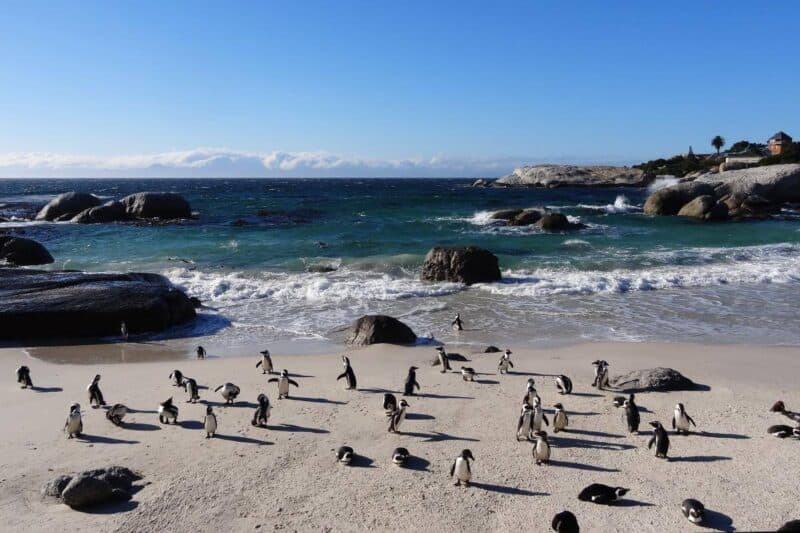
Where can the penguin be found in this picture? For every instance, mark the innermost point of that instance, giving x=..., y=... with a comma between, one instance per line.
x=461, y=468
x=389, y=403
x=693, y=510
x=681, y=420
x=190, y=386
x=541, y=450
x=123, y=330
x=95, y=395
x=261, y=416
x=505, y=363
x=201, y=352
x=265, y=363
x=116, y=413
x=600, y=374
x=400, y=456
x=177, y=378
x=24, y=377
x=602, y=494
x=530, y=392
x=632, y=418
x=443, y=360
x=283, y=384
x=792, y=526
x=660, y=439
x=210, y=422
x=397, y=417
x=781, y=431
x=167, y=411
x=229, y=391
x=411, y=382
x=779, y=407
x=560, y=419
x=457, y=323
x=565, y=522
x=348, y=373
x=468, y=373
x=344, y=454
x=563, y=384
x=74, y=424
x=525, y=423
x=538, y=416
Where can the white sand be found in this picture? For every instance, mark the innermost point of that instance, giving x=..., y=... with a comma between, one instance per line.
x=285, y=477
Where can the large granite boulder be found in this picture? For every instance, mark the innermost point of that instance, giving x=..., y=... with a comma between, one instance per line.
x=777, y=184
x=375, y=329
x=67, y=205
x=92, y=487
x=705, y=207
x=526, y=217
x=575, y=176
x=670, y=200
x=557, y=222
x=163, y=205
x=506, y=214
x=38, y=305
x=653, y=379
x=108, y=212
x=462, y=265
x=18, y=251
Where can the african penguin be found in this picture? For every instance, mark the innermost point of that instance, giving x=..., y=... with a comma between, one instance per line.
x=116, y=413
x=600, y=374
x=400, y=456
x=389, y=403
x=261, y=416
x=95, y=395
x=283, y=384
x=468, y=373
x=538, y=415
x=457, y=323
x=601, y=494
x=397, y=417
x=525, y=423
x=229, y=392
x=660, y=439
x=681, y=420
x=565, y=522
x=344, y=455
x=693, y=510
x=781, y=431
x=505, y=363
x=461, y=468
x=348, y=373
x=24, y=377
x=411, y=382
x=265, y=363
x=619, y=401
x=210, y=422
x=563, y=384
x=444, y=361
x=541, y=450
x=779, y=407
x=201, y=352
x=530, y=391
x=177, y=378
x=167, y=411
x=191, y=388
x=632, y=418
x=74, y=424
x=560, y=419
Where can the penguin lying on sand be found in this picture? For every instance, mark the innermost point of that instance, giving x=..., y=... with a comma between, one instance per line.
x=602, y=494
x=565, y=522
x=693, y=510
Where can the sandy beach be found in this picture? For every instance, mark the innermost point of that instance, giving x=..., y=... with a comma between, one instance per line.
x=285, y=477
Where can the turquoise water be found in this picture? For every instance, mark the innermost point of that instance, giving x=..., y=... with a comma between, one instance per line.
x=626, y=277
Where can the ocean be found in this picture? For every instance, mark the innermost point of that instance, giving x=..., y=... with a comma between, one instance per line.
x=325, y=251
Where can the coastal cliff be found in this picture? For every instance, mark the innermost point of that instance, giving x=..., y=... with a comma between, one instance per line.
x=575, y=176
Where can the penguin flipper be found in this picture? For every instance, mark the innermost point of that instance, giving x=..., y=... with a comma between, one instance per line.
x=691, y=420
x=417, y=386
x=293, y=382
x=342, y=375
x=519, y=424
x=258, y=364
x=546, y=421
x=453, y=469
x=273, y=380
x=673, y=422
x=651, y=442
x=511, y=364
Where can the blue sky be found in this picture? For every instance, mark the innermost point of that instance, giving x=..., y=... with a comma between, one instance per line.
x=466, y=88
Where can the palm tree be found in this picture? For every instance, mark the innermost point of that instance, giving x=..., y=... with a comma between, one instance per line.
x=718, y=142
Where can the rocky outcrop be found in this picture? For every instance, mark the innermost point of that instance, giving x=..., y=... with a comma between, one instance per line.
x=39, y=305
x=526, y=217
x=777, y=184
x=575, y=176
x=557, y=222
x=67, y=205
x=670, y=200
x=92, y=487
x=461, y=265
x=653, y=379
x=108, y=212
x=375, y=329
x=705, y=207
x=18, y=251
x=481, y=183
x=162, y=205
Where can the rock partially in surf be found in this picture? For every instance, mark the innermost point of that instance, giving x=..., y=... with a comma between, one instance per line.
x=670, y=200
x=450, y=356
x=706, y=208
x=462, y=265
x=320, y=269
x=196, y=303
x=548, y=175
x=108, y=212
x=557, y=222
x=526, y=217
x=375, y=329
x=491, y=349
x=161, y=205
x=67, y=205
x=505, y=214
x=19, y=251
x=481, y=183
x=653, y=379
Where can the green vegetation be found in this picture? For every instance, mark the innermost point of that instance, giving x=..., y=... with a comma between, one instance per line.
x=790, y=155
x=746, y=148
x=679, y=165
x=718, y=142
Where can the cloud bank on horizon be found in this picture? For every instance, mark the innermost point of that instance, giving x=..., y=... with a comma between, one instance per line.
x=213, y=163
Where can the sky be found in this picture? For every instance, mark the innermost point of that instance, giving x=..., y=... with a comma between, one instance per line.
x=373, y=88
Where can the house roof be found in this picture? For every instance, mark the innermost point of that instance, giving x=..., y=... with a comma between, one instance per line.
x=780, y=136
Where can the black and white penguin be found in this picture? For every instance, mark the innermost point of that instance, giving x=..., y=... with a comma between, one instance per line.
x=601, y=494
x=74, y=424
x=505, y=363
x=167, y=411
x=348, y=373
x=265, y=363
x=538, y=415
x=600, y=374
x=632, y=418
x=619, y=401
x=468, y=373
x=201, y=352
x=681, y=420
x=660, y=439
x=461, y=468
x=398, y=416
x=444, y=361
x=693, y=510
x=95, y=395
x=261, y=416
x=400, y=456
x=24, y=377
x=560, y=419
x=530, y=391
x=389, y=403
x=229, y=392
x=457, y=323
x=525, y=422
x=345, y=454
x=780, y=407
x=541, y=450
x=116, y=413
x=565, y=522
x=177, y=378
x=781, y=431
x=283, y=384
x=563, y=384
x=411, y=382
x=210, y=422
x=192, y=390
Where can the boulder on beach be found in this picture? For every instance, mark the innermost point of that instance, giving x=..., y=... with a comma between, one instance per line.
x=548, y=175
x=112, y=211
x=705, y=207
x=19, y=251
x=375, y=329
x=461, y=265
x=36, y=304
x=653, y=379
x=491, y=349
x=670, y=200
x=92, y=487
x=557, y=222
x=67, y=205
x=163, y=205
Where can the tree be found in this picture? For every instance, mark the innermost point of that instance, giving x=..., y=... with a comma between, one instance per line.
x=718, y=142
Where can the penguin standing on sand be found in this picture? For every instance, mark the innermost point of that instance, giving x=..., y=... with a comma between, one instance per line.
x=177, y=378
x=167, y=411
x=400, y=456
x=563, y=384
x=780, y=407
x=74, y=424
x=389, y=403
x=541, y=450
x=505, y=363
x=602, y=494
x=525, y=422
x=229, y=392
x=345, y=454
x=201, y=352
x=95, y=395
x=565, y=522
x=681, y=420
x=461, y=468
x=660, y=439
x=24, y=377
x=538, y=415
x=210, y=422
x=560, y=419
x=191, y=388
x=411, y=382
x=261, y=416
x=348, y=373
x=693, y=510
x=283, y=384
x=444, y=361
x=632, y=418
x=116, y=413
x=619, y=401
x=468, y=373
x=600, y=374
x=265, y=363
x=458, y=324
x=530, y=392
x=397, y=417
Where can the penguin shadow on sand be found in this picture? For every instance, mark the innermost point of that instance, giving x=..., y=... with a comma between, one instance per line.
x=505, y=489
x=699, y=459
x=486, y=381
x=419, y=416
x=46, y=389
x=713, y=435
x=625, y=502
x=100, y=439
x=437, y=436
x=580, y=466
x=292, y=428
x=223, y=405
x=361, y=461
x=416, y=463
x=139, y=426
x=562, y=441
x=241, y=439
x=717, y=521
x=590, y=433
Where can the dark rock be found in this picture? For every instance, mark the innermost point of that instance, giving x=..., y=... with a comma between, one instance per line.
x=163, y=205
x=670, y=200
x=491, y=349
x=86, y=491
x=557, y=222
x=526, y=218
x=374, y=329
x=19, y=251
x=55, y=486
x=108, y=212
x=705, y=207
x=653, y=379
x=320, y=269
x=67, y=205
x=505, y=214
x=463, y=265
x=118, y=477
x=92, y=487
x=196, y=303
x=37, y=304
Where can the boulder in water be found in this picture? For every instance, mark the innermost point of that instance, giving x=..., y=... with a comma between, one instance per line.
x=653, y=379
x=462, y=265
x=526, y=217
x=375, y=329
x=19, y=251
x=505, y=214
x=705, y=207
x=670, y=200
x=163, y=205
x=67, y=205
x=108, y=212
x=557, y=222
